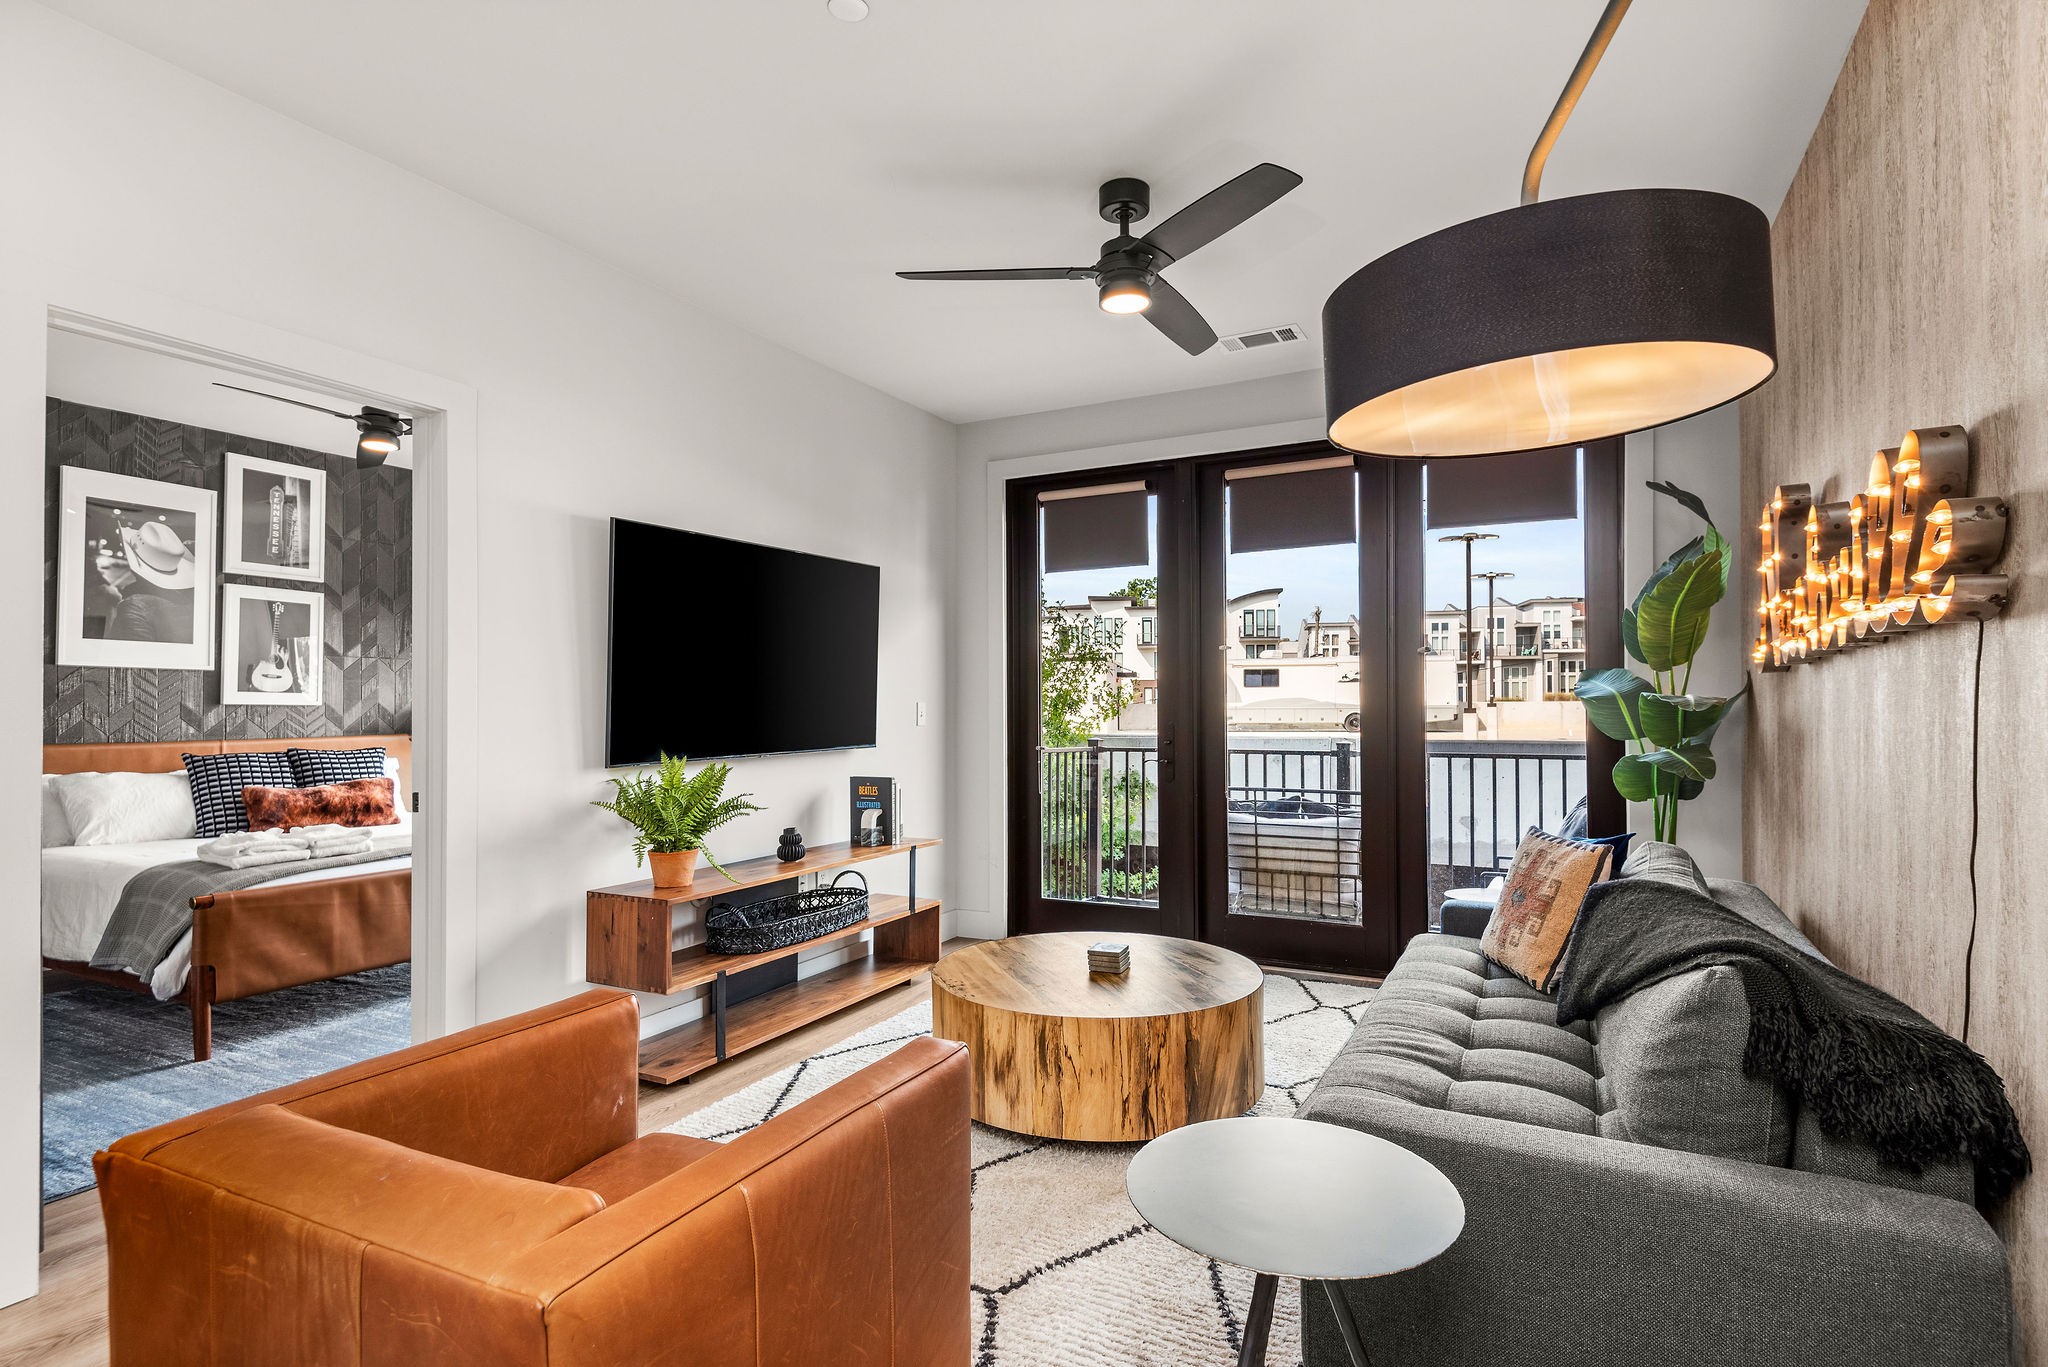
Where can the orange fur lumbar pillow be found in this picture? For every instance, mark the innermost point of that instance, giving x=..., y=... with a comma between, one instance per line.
x=356, y=802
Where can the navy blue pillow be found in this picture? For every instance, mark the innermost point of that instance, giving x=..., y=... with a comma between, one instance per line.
x=1616, y=843
x=217, y=783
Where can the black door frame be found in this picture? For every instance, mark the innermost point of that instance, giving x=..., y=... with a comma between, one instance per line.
x=1391, y=609
x=1029, y=910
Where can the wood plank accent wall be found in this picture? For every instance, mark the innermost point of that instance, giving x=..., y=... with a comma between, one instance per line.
x=1912, y=279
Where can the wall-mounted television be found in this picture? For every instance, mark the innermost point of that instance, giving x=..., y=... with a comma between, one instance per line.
x=722, y=648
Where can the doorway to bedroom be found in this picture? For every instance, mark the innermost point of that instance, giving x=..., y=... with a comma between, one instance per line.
x=228, y=783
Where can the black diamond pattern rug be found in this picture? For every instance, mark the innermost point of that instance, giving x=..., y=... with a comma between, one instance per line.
x=1065, y=1273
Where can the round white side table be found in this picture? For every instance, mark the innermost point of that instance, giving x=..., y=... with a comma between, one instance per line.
x=1295, y=1198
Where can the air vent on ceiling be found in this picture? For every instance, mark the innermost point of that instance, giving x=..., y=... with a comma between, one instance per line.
x=1246, y=341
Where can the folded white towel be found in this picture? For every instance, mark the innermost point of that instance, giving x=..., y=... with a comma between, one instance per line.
x=249, y=856
x=331, y=849
x=241, y=840
x=325, y=832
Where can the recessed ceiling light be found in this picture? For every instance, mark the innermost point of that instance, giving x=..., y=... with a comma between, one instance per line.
x=852, y=11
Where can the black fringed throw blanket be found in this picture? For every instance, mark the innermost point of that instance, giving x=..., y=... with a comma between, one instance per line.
x=1868, y=1066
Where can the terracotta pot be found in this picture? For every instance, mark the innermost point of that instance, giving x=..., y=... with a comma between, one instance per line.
x=673, y=869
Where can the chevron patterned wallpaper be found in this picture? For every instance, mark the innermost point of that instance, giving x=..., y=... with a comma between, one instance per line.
x=368, y=688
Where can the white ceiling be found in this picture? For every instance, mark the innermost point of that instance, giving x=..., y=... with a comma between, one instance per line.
x=776, y=165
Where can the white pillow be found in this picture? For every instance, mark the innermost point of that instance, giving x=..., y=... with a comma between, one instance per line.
x=401, y=798
x=126, y=809
x=56, y=825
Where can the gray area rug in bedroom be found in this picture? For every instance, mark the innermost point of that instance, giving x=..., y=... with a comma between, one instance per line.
x=116, y=1062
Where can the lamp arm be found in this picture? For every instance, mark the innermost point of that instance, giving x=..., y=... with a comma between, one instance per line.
x=1568, y=98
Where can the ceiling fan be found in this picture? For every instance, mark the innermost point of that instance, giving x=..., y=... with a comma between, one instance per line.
x=1128, y=273
x=377, y=429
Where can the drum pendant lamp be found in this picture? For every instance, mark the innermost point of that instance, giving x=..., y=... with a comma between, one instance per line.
x=1552, y=323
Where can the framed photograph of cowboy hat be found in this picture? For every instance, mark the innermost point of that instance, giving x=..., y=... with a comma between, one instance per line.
x=270, y=645
x=135, y=572
x=276, y=519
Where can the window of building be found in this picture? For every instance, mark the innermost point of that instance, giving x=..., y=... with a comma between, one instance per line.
x=1439, y=637
x=1263, y=623
x=1148, y=631
x=1262, y=678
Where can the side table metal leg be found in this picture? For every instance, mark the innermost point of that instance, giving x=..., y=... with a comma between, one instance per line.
x=1346, y=1326
x=1258, y=1323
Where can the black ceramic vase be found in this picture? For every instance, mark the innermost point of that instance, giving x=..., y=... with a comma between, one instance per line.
x=792, y=847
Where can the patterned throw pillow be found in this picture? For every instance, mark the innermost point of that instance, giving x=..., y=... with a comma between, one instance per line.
x=217, y=783
x=1539, y=905
x=358, y=802
x=312, y=768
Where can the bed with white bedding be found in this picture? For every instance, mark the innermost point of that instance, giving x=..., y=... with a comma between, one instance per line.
x=81, y=884
x=286, y=931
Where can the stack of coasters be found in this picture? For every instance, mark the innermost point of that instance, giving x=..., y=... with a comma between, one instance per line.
x=1109, y=956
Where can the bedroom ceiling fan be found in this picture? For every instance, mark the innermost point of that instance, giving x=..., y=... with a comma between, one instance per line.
x=1128, y=271
x=377, y=429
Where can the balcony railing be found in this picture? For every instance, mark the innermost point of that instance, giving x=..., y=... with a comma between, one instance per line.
x=1294, y=819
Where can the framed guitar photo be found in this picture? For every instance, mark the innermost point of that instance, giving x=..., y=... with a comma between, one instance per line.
x=276, y=519
x=270, y=646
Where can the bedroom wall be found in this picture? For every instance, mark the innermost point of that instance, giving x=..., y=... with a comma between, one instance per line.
x=367, y=689
x=1911, y=265
x=596, y=394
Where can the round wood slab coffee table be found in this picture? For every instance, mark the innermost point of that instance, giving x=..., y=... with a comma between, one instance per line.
x=1062, y=1053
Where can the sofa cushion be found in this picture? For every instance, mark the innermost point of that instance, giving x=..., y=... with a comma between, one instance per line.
x=1661, y=863
x=1450, y=1030
x=1672, y=1057
x=638, y=1165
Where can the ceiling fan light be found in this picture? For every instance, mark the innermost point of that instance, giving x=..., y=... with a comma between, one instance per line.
x=1126, y=292
x=1556, y=322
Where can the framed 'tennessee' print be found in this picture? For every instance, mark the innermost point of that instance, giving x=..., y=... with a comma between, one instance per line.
x=277, y=519
x=135, y=572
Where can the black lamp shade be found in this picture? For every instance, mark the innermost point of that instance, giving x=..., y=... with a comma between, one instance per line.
x=1553, y=323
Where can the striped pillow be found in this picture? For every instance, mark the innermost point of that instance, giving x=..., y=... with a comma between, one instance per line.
x=217, y=783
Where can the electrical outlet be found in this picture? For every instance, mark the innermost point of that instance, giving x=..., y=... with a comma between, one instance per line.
x=920, y=714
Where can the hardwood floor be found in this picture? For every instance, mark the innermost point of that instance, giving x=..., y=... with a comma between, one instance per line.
x=65, y=1326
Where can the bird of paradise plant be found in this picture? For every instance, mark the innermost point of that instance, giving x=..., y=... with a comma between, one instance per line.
x=1669, y=730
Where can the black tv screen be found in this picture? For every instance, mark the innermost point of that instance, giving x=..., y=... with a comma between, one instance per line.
x=723, y=648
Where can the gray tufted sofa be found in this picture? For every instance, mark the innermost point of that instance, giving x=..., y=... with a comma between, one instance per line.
x=1633, y=1199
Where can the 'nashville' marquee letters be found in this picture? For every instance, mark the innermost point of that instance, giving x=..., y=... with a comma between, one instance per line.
x=1912, y=550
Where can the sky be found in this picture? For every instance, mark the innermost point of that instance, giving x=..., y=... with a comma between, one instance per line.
x=1546, y=558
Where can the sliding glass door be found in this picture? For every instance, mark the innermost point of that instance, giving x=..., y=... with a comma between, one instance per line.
x=1234, y=716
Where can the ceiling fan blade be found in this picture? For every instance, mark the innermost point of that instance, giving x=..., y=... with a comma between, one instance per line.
x=1024, y=273
x=331, y=412
x=1222, y=209
x=1173, y=315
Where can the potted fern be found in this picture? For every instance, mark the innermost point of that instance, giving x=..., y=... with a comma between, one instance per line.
x=671, y=812
x=1669, y=730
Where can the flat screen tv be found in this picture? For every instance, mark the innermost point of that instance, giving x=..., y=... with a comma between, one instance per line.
x=722, y=648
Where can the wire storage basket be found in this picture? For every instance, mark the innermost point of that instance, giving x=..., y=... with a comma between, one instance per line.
x=779, y=922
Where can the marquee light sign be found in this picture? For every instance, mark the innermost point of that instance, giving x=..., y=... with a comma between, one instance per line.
x=1913, y=550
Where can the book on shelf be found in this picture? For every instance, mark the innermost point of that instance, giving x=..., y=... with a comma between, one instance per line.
x=877, y=812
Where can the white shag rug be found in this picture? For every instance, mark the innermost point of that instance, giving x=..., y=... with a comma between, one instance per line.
x=1065, y=1273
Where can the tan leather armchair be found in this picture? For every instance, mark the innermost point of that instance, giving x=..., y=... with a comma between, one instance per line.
x=483, y=1199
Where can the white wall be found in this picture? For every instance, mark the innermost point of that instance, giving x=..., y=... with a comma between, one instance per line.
x=1702, y=455
x=1699, y=454
x=596, y=395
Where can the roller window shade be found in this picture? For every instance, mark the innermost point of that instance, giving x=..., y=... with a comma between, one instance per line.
x=1095, y=531
x=1300, y=508
x=1486, y=491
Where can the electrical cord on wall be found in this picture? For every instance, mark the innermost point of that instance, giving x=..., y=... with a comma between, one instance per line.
x=1976, y=713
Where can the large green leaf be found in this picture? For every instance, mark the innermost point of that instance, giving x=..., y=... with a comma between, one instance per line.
x=1671, y=617
x=1670, y=718
x=1610, y=697
x=1678, y=495
x=1635, y=778
x=1691, y=760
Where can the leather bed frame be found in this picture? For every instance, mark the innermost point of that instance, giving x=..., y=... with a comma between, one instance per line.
x=262, y=939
